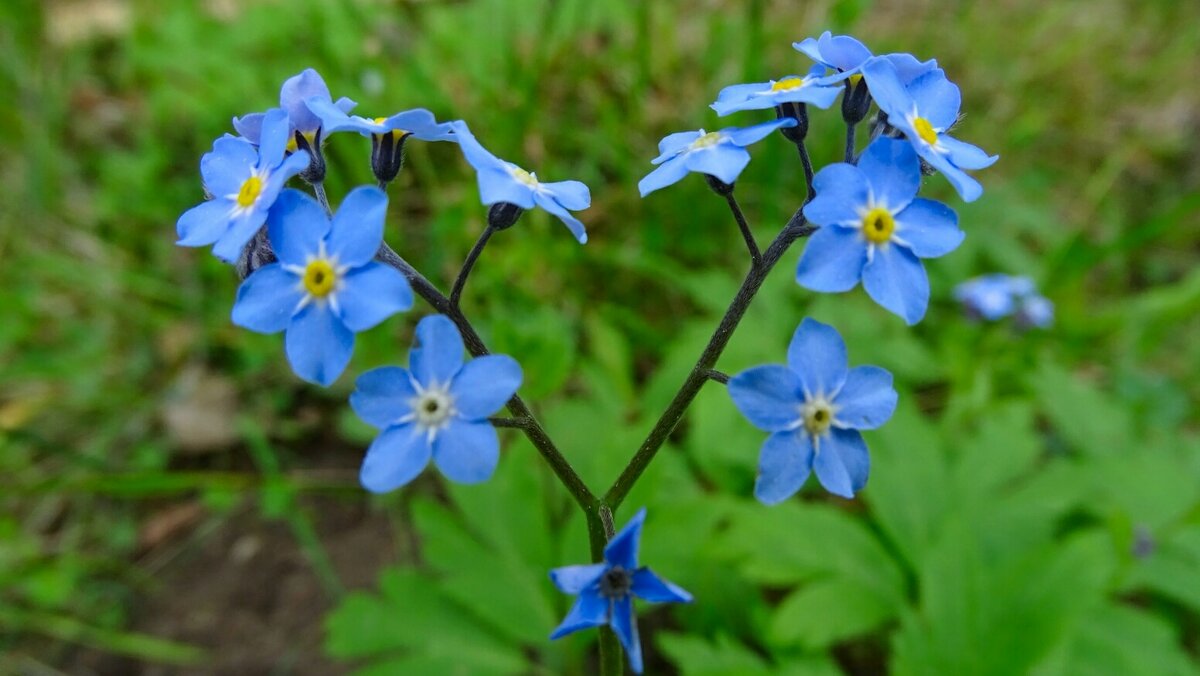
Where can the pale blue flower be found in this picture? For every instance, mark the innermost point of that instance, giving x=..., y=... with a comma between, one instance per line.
x=808, y=88
x=721, y=154
x=418, y=122
x=293, y=98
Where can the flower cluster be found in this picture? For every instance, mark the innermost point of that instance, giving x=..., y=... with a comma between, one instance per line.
x=995, y=296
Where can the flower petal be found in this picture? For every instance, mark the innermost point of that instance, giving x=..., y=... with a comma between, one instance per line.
x=938, y=99
x=742, y=97
x=573, y=195
x=908, y=68
x=552, y=206
x=929, y=228
x=371, y=294
x=842, y=463
x=574, y=579
x=672, y=144
x=769, y=396
x=841, y=190
x=204, y=223
x=296, y=91
x=723, y=160
x=484, y=384
x=893, y=171
x=622, y=549
x=395, y=458
x=357, y=228
x=230, y=163
x=842, y=51
x=498, y=185
x=817, y=354
x=895, y=278
x=833, y=260
x=241, y=230
x=968, y=188
x=274, y=138
x=267, y=299
x=318, y=344
x=886, y=88
x=381, y=396
x=422, y=124
x=590, y=610
x=744, y=136
x=867, y=400
x=474, y=152
x=783, y=466
x=667, y=173
x=966, y=156
x=249, y=127
x=332, y=118
x=296, y=226
x=467, y=452
x=624, y=624
x=438, y=354
x=648, y=586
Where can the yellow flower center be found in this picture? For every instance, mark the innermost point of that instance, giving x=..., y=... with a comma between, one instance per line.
x=818, y=416
x=379, y=120
x=855, y=79
x=788, y=83
x=878, y=225
x=524, y=177
x=925, y=130
x=319, y=278
x=249, y=192
x=291, y=146
x=709, y=139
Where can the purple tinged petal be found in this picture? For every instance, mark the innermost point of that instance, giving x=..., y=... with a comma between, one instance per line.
x=295, y=92
x=783, y=466
x=267, y=299
x=817, y=354
x=371, y=294
x=227, y=167
x=744, y=136
x=249, y=126
x=590, y=610
x=968, y=188
x=467, y=452
x=667, y=173
x=895, y=278
x=929, y=228
x=422, y=124
x=624, y=624
x=938, y=99
x=833, y=260
x=723, y=160
x=204, y=223
x=842, y=463
x=484, y=385
x=273, y=142
x=841, y=190
x=318, y=345
x=345, y=105
x=381, y=396
x=357, y=228
x=769, y=396
x=886, y=88
x=867, y=400
x=552, y=206
x=574, y=579
x=332, y=119
x=622, y=549
x=893, y=171
x=439, y=352
x=964, y=155
x=573, y=195
x=842, y=51
x=395, y=458
x=648, y=586
x=296, y=225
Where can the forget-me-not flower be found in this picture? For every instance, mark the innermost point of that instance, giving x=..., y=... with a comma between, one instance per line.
x=244, y=182
x=502, y=181
x=720, y=154
x=791, y=89
x=418, y=122
x=606, y=591
x=813, y=408
x=293, y=98
x=998, y=295
x=845, y=56
x=325, y=286
x=875, y=228
x=436, y=408
x=924, y=110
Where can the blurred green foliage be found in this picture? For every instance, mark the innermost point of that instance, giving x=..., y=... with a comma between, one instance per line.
x=1034, y=505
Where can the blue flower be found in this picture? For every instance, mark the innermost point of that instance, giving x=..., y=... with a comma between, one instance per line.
x=791, y=89
x=721, y=154
x=814, y=408
x=606, y=591
x=876, y=229
x=501, y=181
x=325, y=287
x=293, y=98
x=417, y=122
x=924, y=110
x=436, y=408
x=846, y=55
x=998, y=295
x=244, y=182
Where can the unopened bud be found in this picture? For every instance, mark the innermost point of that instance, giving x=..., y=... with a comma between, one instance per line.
x=503, y=215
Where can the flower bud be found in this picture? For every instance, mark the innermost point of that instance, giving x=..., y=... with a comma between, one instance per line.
x=387, y=155
x=799, y=113
x=503, y=215
x=315, y=172
x=718, y=186
x=856, y=101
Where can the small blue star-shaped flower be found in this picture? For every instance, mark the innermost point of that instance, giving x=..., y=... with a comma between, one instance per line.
x=998, y=295
x=418, y=122
x=814, y=408
x=606, y=591
x=293, y=98
x=875, y=228
x=325, y=287
x=924, y=110
x=502, y=181
x=244, y=182
x=791, y=89
x=435, y=409
x=845, y=56
x=721, y=154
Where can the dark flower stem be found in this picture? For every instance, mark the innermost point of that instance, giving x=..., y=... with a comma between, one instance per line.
x=755, y=254
x=720, y=377
x=456, y=292
x=703, y=370
x=808, y=170
x=319, y=191
x=850, y=130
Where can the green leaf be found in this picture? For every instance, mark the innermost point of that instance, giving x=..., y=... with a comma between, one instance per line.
x=827, y=610
x=1091, y=421
x=1115, y=639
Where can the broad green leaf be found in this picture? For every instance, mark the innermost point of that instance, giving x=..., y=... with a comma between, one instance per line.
x=827, y=610
x=1090, y=419
x=1117, y=639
